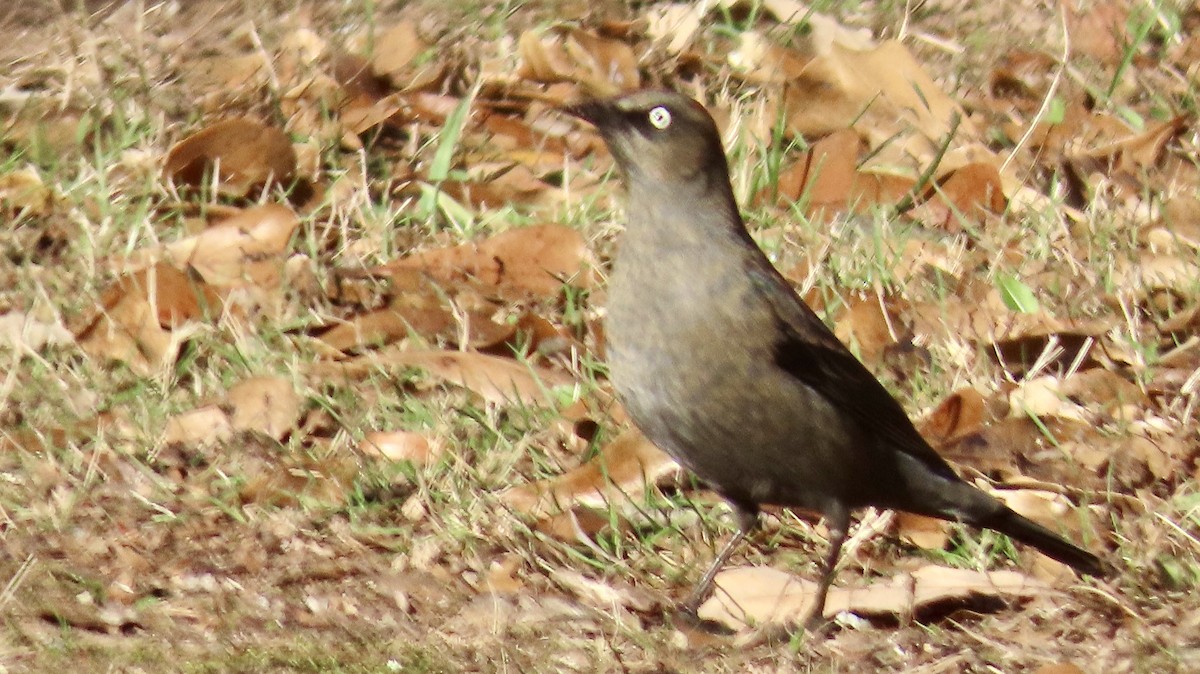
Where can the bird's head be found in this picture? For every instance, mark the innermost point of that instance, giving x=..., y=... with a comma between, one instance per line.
x=659, y=136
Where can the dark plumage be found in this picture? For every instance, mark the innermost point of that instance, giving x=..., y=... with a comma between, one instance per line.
x=721, y=364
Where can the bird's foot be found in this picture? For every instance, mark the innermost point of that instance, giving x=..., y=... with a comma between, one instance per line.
x=817, y=624
x=689, y=615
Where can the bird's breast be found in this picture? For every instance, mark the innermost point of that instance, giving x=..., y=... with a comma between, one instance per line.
x=691, y=350
x=685, y=331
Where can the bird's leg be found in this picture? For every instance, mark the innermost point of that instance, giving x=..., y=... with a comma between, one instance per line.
x=747, y=520
x=837, y=519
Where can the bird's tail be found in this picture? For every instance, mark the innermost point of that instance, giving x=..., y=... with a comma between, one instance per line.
x=1008, y=522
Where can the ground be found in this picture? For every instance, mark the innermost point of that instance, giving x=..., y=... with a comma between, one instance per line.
x=324, y=435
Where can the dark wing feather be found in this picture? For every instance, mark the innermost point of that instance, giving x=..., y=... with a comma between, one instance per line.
x=810, y=352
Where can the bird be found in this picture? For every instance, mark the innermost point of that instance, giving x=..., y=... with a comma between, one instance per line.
x=720, y=363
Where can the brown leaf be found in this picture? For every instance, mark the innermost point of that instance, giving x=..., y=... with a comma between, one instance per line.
x=226, y=75
x=826, y=179
x=417, y=448
x=328, y=479
x=886, y=82
x=1177, y=230
x=244, y=249
x=198, y=428
x=1097, y=28
x=964, y=196
x=267, y=405
x=496, y=380
x=603, y=595
x=1042, y=397
x=502, y=576
x=527, y=141
x=31, y=332
x=518, y=263
x=1163, y=457
x=825, y=174
x=977, y=312
x=1018, y=446
x=1151, y=272
x=619, y=472
x=515, y=184
x=1023, y=74
x=360, y=115
x=870, y=326
x=395, y=49
x=675, y=24
x=1059, y=668
x=245, y=153
x=420, y=315
x=1131, y=155
x=1104, y=389
x=751, y=596
x=142, y=315
x=926, y=533
x=960, y=413
x=22, y=191
x=357, y=79
x=760, y=61
x=603, y=66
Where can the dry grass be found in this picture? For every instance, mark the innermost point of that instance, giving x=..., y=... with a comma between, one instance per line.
x=122, y=553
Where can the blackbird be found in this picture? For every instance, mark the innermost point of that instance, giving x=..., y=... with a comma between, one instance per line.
x=721, y=364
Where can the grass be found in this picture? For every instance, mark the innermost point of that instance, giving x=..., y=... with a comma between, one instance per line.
x=306, y=554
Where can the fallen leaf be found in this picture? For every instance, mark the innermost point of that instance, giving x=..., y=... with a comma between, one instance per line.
x=675, y=24
x=927, y=533
x=518, y=263
x=1097, y=28
x=245, y=154
x=24, y=332
x=757, y=596
x=603, y=595
x=871, y=327
x=200, y=427
x=603, y=66
x=759, y=60
x=827, y=182
x=502, y=576
x=225, y=76
x=1042, y=397
x=620, y=471
x=1177, y=230
x=962, y=199
x=22, y=191
x=395, y=49
x=1059, y=668
x=961, y=413
x=244, y=249
x=267, y=405
x=496, y=380
x=144, y=317
x=1129, y=157
x=882, y=88
x=417, y=314
x=824, y=176
x=418, y=448
x=1053, y=450
x=1151, y=272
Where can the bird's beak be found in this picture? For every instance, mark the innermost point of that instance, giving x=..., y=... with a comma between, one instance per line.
x=591, y=110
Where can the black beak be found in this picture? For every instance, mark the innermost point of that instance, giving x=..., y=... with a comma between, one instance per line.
x=591, y=110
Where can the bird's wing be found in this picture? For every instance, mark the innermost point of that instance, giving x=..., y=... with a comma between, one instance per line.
x=810, y=352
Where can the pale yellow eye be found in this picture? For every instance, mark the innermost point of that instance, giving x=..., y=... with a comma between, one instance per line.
x=660, y=117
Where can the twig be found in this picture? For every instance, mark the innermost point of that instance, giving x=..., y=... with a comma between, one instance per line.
x=1048, y=99
x=910, y=199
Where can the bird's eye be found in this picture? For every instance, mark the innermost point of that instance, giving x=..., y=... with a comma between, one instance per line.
x=660, y=117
